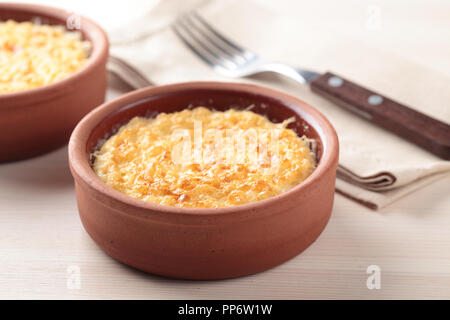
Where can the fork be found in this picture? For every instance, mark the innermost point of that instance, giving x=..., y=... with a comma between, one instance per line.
x=232, y=60
x=127, y=73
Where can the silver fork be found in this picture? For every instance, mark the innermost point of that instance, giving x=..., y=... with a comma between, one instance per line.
x=228, y=58
x=232, y=60
x=127, y=73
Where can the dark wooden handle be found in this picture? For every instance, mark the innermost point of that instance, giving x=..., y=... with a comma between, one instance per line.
x=428, y=133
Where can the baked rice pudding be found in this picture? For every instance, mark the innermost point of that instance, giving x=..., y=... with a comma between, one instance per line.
x=200, y=158
x=33, y=55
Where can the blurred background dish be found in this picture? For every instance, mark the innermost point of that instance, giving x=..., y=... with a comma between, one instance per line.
x=41, y=119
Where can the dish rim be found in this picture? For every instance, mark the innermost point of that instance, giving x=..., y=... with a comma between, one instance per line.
x=81, y=167
x=99, y=49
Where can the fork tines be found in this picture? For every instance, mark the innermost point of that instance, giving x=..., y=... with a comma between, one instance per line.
x=210, y=45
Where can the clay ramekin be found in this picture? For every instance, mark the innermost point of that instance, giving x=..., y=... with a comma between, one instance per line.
x=204, y=243
x=38, y=120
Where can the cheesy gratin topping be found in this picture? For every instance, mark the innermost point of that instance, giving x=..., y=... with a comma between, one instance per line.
x=33, y=55
x=204, y=159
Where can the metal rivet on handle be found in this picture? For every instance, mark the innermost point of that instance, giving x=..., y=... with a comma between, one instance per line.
x=335, y=81
x=375, y=99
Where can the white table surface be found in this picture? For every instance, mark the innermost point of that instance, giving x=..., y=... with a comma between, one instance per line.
x=43, y=241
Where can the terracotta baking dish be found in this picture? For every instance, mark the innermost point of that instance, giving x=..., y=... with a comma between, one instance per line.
x=38, y=120
x=203, y=243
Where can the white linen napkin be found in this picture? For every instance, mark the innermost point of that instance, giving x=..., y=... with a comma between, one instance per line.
x=376, y=167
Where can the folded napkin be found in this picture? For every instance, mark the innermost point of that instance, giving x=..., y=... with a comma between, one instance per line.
x=376, y=167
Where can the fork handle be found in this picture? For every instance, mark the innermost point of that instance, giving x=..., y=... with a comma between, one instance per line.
x=426, y=132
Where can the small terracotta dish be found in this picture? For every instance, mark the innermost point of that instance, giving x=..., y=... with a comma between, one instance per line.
x=38, y=120
x=204, y=243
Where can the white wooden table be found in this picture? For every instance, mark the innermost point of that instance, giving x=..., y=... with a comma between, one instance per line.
x=43, y=242
x=44, y=249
